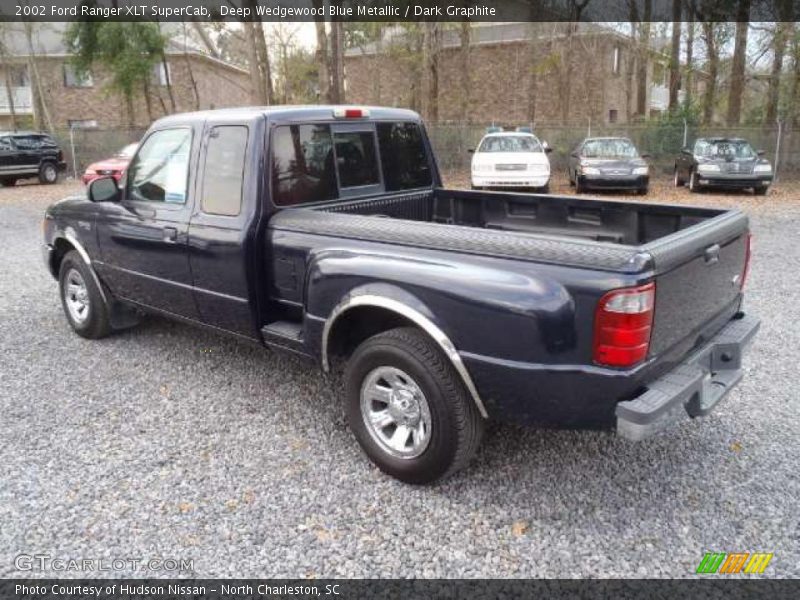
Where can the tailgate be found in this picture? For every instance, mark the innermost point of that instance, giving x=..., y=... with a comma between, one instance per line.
x=699, y=273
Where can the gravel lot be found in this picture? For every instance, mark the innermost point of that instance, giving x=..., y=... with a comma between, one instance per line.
x=166, y=441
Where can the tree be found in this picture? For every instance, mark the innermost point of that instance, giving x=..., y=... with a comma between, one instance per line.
x=675, y=56
x=689, y=77
x=7, y=73
x=738, y=65
x=432, y=42
x=336, y=62
x=321, y=55
x=465, y=52
x=644, y=54
x=129, y=50
x=715, y=35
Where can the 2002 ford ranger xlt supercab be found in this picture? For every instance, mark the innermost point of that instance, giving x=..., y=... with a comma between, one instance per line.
x=325, y=232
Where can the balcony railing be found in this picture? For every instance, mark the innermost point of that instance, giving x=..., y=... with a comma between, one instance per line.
x=23, y=100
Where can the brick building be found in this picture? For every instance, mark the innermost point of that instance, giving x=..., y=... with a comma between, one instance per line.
x=604, y=74
x=198, y=82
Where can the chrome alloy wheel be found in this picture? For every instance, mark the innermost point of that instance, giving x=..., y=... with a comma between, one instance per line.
x=76, y=296
x=395, y=412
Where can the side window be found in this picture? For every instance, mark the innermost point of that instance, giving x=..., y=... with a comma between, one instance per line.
x=702, y=148
x=356, y=159
x=160, y=170
x=5, y=144
x=224, y=170
x=403, y=156
x=302, y=164
x=26, y=142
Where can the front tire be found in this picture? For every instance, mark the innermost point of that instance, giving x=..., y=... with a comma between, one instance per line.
x=760, y=190
x=408, y=408
x=81, y=299
x=694, y=186
x=48, y=174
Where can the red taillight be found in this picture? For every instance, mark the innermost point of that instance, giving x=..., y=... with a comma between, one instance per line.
x=748, y=252
x=350, y=113
x=622, y=326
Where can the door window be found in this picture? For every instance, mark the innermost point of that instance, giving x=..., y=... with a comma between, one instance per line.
x=224, y=170
x=160, y=170
x=5, y=144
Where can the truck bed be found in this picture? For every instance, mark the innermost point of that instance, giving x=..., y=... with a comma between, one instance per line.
x=607, y=235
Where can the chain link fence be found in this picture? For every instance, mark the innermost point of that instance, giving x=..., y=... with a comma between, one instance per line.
x=663, y=141
x=83, y=146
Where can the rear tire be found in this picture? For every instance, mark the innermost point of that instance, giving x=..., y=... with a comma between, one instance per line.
x=48, y=173
x=8, y=181
x=760, y=190
x=81, y=299
x=400, y=379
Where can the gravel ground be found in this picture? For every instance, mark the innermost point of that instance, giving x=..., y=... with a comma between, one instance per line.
x=167, y=441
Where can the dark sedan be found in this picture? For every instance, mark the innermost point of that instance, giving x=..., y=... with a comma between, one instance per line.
x=610, y=163
x=723, y=163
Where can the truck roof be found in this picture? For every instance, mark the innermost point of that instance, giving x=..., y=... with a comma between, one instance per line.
x=291, y=113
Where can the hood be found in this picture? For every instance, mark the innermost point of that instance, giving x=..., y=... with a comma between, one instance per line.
x=110, y=164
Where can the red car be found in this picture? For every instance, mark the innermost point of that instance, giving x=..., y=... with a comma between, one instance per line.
x=110, y=167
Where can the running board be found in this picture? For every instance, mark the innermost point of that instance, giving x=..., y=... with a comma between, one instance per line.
x=286, y=335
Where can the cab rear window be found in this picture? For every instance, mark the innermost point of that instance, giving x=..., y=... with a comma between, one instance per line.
x=303, y=165
x=403, y=156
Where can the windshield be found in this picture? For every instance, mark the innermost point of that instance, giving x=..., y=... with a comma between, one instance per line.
x=613, y=148
x=128, y=151
x=510, y=143
x=724, y=149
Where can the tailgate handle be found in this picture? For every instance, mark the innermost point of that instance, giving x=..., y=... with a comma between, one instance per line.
x=711, y=254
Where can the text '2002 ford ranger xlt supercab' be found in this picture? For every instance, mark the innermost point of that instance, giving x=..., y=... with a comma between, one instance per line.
x=326, y=232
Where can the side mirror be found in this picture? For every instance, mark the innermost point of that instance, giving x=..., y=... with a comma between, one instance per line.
x=104, y=189
x=546, y=147
x=760, y=152
x=574, y=155
x=471, y=150
x=645, y=155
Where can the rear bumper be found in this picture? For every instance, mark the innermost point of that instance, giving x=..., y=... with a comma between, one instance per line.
x=612, y=182
x=692, y=388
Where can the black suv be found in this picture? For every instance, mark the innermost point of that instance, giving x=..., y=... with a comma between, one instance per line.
x=29, y=154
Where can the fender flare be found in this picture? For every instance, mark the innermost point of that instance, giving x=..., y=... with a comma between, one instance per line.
x=413, y=315
x=69, y=236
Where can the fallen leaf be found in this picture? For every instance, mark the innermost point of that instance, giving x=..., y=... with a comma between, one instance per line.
x=185, y=507
x=248, y=497
x=232, y=504
x=519, y=528
x=736, y=447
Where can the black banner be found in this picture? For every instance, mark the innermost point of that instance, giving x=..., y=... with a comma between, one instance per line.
x=221, y=589
x=394, y=10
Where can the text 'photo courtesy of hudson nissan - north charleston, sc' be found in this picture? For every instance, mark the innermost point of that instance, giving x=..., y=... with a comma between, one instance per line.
x=326, y=232
x=510, y=159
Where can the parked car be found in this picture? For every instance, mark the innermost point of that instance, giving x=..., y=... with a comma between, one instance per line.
x=510, y=159
x=610, y=163
x=724, y=163
x=28, y=154
x=110, y=167
x=447, y=307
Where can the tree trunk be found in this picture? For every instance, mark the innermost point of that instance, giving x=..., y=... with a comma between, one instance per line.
x=336, y=65
x=465, y=36
x=9, y=92
x=738, y=63
x=130, y=111
x=263, y=61
x=205, y=38
x=675, y=56
x=256, y=95
x=643, y=59
x=773, y=90
x=533, y=74
x=431, y=43
x=148, y=101
x=168, y=82
x=630, y=66
x=40, y=100
x=190, y=71
x=321, y=56
x=689, y=77
x=793, y=109
x=713, y=68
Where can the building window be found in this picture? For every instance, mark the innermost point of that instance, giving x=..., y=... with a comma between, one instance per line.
x=613, y=115
x=72, y=78
x=616, y=60
x=82, y=123
x=162, y=74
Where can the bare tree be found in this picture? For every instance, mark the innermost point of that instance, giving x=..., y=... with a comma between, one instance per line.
x=336, y=64
x=793, y=106
x=738, y=64
x=779, y=40
x=321, y=55
x=689, y=76
x=465, y=56
x=675, y=56
x=643, y=59
x=42, y=111
x=189, y=69
x=431, y=49
x=7, y=73
x=710, y=33
x=202, y=33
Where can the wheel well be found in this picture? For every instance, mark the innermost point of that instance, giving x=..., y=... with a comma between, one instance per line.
x=359, y=323
x=60, y=248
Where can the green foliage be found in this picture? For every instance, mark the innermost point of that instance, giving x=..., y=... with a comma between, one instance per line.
x=129, y=50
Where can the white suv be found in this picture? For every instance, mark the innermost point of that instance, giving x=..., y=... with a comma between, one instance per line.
x=511, y=159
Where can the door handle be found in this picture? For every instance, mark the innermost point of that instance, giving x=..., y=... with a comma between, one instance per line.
x=170, y=235
x=711, y=254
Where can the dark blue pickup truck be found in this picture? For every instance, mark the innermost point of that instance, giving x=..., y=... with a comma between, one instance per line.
x=326, y=232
